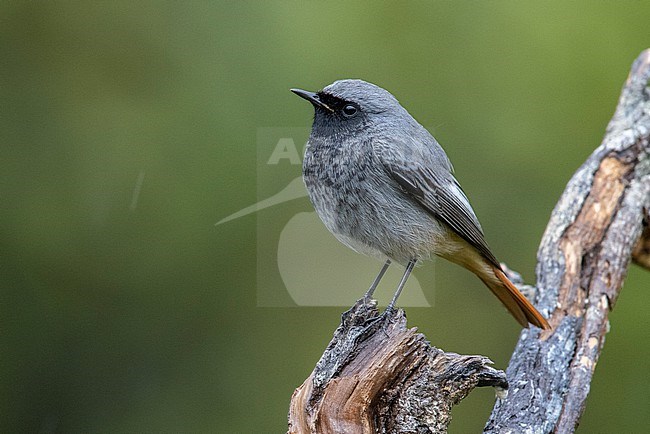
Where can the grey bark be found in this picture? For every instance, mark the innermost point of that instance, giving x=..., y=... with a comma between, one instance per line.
x=594, y=230
x=378, y=376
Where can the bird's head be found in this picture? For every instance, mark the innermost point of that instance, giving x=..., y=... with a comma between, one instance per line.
x=351, y=106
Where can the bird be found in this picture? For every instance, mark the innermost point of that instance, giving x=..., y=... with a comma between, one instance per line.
x=383, y=186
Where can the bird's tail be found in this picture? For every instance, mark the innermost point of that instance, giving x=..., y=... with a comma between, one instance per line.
x=523, y=311
x=492, y=275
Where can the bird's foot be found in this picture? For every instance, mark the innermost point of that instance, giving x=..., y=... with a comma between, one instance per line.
x=384, y=319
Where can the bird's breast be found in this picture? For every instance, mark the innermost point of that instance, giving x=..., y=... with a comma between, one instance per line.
x=342, y=184
x=364, y=208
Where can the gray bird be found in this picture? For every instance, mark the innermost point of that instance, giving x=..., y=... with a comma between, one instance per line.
x=385, y=188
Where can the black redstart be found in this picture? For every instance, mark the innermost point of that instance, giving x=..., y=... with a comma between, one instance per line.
x=385, y=188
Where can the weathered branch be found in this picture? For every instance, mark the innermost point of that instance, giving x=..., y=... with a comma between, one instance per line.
x=641, y=252
x=377, y=376
x=582, y=261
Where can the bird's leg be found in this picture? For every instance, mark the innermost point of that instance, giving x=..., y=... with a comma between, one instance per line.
x=407, y=273
x=372, y=288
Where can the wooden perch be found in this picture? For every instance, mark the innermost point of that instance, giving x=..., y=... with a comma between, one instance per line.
x=641, y=252
x=594, y=230
x=377, y=375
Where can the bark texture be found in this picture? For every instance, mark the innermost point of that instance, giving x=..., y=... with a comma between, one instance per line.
x=378, y=376
x=599, y=224
x=641, y=252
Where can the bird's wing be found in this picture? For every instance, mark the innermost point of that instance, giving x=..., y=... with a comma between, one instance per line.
x=431, y=184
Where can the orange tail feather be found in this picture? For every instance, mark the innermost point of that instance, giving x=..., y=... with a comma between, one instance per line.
x=523, y=311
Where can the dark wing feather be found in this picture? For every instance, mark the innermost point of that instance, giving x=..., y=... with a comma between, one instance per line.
x=442, y=197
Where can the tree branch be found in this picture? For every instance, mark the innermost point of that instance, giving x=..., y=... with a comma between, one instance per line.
x=582, y=261
x=641, y=252
x=377, y=376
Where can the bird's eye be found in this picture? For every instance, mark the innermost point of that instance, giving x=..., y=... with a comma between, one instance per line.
x=349, y=110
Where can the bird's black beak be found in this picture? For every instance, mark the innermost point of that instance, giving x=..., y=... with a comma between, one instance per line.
x=312, y=98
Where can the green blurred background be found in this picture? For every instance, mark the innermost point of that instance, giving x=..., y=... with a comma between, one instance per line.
x=125, y=315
